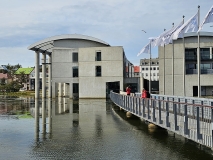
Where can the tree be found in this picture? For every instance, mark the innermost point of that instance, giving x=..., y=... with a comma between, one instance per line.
x=3, y=81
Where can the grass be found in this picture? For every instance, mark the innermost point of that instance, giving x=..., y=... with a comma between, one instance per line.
x=23, y=93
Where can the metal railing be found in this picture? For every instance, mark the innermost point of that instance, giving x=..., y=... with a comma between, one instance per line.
x=189, y=117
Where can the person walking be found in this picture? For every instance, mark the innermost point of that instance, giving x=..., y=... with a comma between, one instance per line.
x=128, y=90
x=144, y=93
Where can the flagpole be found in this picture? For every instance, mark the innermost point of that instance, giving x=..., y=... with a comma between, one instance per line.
x=164, y=75
x=173, y=65
x=184, y=64
x=150, y=67
x=198, y=54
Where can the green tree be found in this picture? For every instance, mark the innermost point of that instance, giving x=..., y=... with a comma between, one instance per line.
x=3, y=81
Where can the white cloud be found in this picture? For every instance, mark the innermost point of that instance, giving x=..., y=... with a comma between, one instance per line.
x=117, y=22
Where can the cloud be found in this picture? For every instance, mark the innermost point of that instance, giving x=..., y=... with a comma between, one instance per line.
x=119, y=22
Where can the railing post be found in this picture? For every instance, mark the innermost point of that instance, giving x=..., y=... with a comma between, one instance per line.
x=153, y=106
x=140, y=113
x=159, y=108
x=175, y=116
x=167, y=113
x=148, y=107
x=133, y=104
x=199, y=136
x=212, y=125
x=144, y=113
x=136, y=105
x=186, y=129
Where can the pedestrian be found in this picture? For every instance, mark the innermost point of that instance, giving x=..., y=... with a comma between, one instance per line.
x=128, y=90
x=144, y=93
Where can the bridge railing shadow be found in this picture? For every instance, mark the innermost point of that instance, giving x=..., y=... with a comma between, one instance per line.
x=189, y=117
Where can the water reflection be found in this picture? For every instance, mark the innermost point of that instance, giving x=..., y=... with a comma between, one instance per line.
x=86, y=129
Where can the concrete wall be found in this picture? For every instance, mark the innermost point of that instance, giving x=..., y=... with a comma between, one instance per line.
x=190, y=80
x=111, y=64
x=90, y=86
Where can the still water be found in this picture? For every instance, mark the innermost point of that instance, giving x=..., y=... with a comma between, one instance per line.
x=84, y=129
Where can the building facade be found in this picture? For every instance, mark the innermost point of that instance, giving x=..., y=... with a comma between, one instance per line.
x=179, y=75
x=147, y=69
x=81, y=66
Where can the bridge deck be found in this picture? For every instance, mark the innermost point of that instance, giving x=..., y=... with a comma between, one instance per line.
x=190, y=118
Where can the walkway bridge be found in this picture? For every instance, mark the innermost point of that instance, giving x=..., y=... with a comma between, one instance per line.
x=189, y=117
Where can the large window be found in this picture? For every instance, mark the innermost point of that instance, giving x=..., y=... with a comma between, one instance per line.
x=75, y=57
x=75, y=71
x=75, y=87
x=98, y=71
x=98, y=56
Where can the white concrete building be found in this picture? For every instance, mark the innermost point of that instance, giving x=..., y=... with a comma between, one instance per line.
x=145, y=69
x=80, y=66
x=179, y=75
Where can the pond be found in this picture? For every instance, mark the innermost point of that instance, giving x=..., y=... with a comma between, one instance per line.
x=84, y=129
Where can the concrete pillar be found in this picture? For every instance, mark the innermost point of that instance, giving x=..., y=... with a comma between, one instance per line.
x=36, y=120
x=210, y=52
x=54, y=89
x=50, y=77
x=44, y=117
x=59, y=89
x=50, y=116
x=37, y=61
x=43, y=75
x=65, y=89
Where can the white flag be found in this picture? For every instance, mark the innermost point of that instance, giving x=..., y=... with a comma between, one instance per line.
x=165, y=38
x=190, y=26
x=208, y=18
x=145, y=49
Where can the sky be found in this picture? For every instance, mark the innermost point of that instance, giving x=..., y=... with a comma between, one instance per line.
x=117, y=22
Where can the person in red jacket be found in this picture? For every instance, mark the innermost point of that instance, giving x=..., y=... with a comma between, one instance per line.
x=128, y=90
x=144, y=93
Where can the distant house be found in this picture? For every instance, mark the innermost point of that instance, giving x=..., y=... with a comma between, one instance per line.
x=136, y=71
x=23, y=75
x=5, y=78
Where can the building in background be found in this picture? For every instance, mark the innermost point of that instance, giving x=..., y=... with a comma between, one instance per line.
x=185, y=66
x=22, y=75
x=83, y=66
x=150, y=71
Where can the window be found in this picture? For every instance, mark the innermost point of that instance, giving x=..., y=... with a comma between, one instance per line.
x=146, y=74
x=153, y=74
x=150, y=68
x=75, y=87
x=75, y=71
x=146, y=68
x=98, y=56
x=157, y=68
x=75, y=57
x=142, y=69
x=154, y=68
x=98, y=71
x=153, y=62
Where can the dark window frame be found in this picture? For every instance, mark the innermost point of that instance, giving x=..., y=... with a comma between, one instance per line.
x=74, y=73
x=98, y=56
x=74, y=57
x=98, y=71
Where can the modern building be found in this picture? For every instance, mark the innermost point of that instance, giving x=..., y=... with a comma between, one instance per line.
x=147, y=69
x=150, y=70
x=179, y=75
x=80, y=66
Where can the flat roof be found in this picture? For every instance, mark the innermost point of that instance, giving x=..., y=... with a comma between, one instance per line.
x=47, y=44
